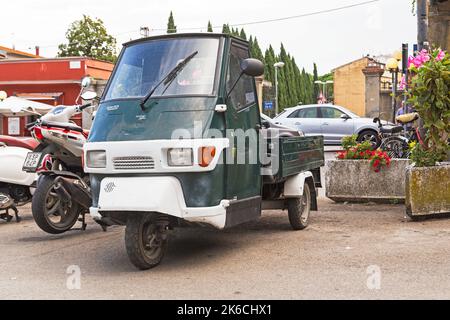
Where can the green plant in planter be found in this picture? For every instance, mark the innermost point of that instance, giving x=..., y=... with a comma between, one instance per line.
x=429, y=94
x=363, y=151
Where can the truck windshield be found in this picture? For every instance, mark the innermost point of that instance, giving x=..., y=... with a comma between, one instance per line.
x=142, y=66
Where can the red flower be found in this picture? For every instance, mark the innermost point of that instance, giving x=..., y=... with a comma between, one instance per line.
x=376, y=164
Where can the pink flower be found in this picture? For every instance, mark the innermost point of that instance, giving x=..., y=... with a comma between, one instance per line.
x=403, y=83
x=441, y=55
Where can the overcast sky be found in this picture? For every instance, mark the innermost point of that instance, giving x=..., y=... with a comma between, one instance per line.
x=329, y=39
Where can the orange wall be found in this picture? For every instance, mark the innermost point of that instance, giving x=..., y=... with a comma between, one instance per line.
x=350, y=86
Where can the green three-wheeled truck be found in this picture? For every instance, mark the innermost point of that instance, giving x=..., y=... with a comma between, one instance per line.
x=178, y=140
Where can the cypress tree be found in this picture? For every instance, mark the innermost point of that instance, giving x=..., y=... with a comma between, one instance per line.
x=210, y=28
x=242, y=34
x=171, y=27
x=226, y=29
x=316, y=90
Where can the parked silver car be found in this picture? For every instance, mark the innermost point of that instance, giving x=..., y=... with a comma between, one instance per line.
x=333, y=122
x=280, y=130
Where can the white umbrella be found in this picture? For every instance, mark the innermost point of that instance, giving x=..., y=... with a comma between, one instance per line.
x=14, y=103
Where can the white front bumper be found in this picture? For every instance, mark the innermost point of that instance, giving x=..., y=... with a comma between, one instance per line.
x=155, y=194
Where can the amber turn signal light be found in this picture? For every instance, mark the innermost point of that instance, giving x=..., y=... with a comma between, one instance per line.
x=206, y=156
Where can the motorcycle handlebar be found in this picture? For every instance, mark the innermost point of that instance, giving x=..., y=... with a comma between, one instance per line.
x=85, y=106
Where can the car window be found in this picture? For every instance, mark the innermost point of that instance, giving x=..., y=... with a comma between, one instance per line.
x=308, y=113
x=330, y=113
x=293, y=114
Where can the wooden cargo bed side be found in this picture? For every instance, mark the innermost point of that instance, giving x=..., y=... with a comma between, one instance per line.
x=300, y=154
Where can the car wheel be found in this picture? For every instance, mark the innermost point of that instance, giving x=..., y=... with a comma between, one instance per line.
x=371, y=136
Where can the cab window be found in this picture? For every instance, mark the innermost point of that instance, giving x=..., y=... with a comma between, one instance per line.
x=243, y=94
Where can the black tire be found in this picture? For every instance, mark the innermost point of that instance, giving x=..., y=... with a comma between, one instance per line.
x=144, y=252
x=371, y=136
x=47, y=205
x=300, y=209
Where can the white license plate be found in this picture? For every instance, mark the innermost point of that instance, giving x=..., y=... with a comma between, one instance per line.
x=32, y=161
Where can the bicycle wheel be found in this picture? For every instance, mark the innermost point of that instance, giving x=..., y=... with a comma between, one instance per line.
x=395, y=147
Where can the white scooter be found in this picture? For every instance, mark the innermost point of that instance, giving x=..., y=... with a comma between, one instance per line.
x=16, y=186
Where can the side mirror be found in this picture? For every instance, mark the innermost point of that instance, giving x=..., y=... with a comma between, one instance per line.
x=89, y=95
x=376, y=120
x=86, y=82
x=265, y=124
x=252, y=67
x=345, y=117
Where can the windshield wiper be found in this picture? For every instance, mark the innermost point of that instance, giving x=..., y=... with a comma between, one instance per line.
x=168, y=79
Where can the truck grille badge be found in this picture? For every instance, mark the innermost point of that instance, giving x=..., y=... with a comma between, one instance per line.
x=110, y=187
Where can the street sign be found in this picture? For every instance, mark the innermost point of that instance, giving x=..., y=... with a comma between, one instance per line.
x=268, y=105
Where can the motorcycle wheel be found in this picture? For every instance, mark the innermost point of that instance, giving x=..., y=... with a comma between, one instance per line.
x=51, y=213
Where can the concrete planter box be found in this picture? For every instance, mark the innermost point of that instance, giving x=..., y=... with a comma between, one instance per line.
x=428, y=191
x=355, y=181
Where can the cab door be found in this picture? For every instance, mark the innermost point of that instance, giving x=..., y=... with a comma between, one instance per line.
x=243, y=178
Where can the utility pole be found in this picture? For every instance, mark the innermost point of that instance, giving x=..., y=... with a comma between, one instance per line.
x=422, y=24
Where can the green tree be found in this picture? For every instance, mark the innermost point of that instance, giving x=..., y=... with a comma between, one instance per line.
x=330, y=88
x=210, y=28
x=88, y=37
x=226, y=29
x=242, y=34
x=316, y=90
x=171, y=27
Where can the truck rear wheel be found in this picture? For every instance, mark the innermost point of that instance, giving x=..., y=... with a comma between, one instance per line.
x=145, y=240
x=299, y=209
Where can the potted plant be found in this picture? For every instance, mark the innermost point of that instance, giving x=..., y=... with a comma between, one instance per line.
x=428, y=178
x=360, y=174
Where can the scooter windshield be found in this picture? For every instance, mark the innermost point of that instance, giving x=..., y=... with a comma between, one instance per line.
x=144, y=64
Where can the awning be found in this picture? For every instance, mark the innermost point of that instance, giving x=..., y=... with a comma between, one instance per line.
x=11, y=102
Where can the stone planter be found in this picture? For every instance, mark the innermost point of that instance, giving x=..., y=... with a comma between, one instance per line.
x=355, y=181
x=428, y=191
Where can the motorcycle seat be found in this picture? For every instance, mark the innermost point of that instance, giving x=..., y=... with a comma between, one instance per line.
x=407, y=118
x=389, y=129
x=21, y=142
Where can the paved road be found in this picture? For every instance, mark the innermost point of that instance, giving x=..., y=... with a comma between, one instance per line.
x=260, y=260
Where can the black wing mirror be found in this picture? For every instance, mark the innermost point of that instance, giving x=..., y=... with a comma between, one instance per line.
x=345, y=117
x=252, y=67
x=265, y=124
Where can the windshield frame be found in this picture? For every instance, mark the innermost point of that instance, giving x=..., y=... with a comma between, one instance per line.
x=219, y=61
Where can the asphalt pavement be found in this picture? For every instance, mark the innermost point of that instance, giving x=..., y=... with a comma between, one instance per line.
x=348, y=252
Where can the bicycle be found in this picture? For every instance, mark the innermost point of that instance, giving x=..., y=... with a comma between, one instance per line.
x=396, y=139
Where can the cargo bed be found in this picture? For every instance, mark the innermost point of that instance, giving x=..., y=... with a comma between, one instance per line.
x=295, y=155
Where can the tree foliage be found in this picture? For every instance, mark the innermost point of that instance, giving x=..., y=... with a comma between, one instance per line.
x=429, y=94
x=171, y=27
x=210, y=28
x=88, y=37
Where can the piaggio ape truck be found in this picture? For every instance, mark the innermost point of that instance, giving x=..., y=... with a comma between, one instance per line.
x=178, y=140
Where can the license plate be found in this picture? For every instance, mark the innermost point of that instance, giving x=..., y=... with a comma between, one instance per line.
x=32, y=162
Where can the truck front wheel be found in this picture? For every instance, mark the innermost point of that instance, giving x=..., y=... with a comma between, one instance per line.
x=146, y=239
x=299, y=209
